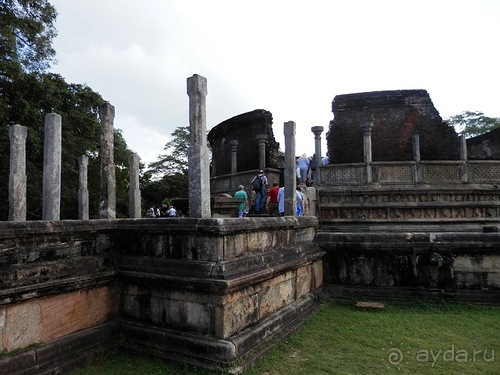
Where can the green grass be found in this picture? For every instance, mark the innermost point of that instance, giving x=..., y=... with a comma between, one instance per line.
x=421, y=338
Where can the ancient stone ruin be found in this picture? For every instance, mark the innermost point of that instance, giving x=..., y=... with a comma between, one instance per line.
x=396, y=116
x=248, y=133
x=404, y=210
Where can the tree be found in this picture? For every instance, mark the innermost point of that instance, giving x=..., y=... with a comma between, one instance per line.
x=167, y=177
x=176, y=161
x=26, y=34
x=473, y=123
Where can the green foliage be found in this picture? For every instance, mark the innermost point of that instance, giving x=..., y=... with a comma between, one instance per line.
x=167, y=177
x=26, y=34
x=473, y=123
x=176, y=161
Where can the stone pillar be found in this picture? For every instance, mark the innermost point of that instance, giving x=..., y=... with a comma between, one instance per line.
x=51, y=206
x=17, y=174
x=416, y=147
x=463, y=147
x=464, y=170
x=367, y=149
x=416, y=158
x=83, y=191
x=290, y=173
x=199, y=171
x=317, y=130
x=107, y=206
x=233, y=143
x=261, y=139
x=134, y=193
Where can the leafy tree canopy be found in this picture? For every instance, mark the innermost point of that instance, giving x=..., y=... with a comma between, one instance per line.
x=26, y=34
x=473, y=123
x=167, y=177
x=176, y=160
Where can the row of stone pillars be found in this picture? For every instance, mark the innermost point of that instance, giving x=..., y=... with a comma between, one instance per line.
x=366, y=127
x=199, y=178
x=262, y=138
x=52, y=172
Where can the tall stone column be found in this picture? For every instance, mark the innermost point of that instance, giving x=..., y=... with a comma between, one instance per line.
x=199, y=171
x=134, y=193
x=17, y=174
x=83, y=191
x=367, y=149
x=51, y=207
x=107, y=205
x=317, y=130
x=464, y=170
x=416, y=157
x=233, y=143
x=416, y=147
x=261, y=139
x=463, y=147
x=290, y=173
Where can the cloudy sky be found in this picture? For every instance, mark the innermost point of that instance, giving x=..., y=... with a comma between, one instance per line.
x=288, y=57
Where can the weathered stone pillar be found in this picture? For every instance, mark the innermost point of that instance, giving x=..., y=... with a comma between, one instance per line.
x=317, y=130
x=416, y=157
x=290, y=173
x=51, y=206
x=233, y=143
x=367, y=149
x=83, y=191
x=107, y=206
x=464, y=171
x=416, y=147
x=199, y=177
x=261, y=139
x=134, y=193
x=17, y=174
x=463, y=147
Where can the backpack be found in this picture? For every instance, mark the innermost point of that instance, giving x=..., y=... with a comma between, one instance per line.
x=257, y=183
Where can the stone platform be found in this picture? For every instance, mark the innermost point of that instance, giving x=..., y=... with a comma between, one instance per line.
x=211, y=292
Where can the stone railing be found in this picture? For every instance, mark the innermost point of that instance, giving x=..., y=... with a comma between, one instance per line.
x=229, y=183
x=412, y=173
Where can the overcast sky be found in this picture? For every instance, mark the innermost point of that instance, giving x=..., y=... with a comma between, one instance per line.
x=288, y=57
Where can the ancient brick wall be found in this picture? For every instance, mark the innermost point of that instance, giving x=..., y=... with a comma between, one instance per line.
x=485, y=146
x=244, y=128
x=397, y=116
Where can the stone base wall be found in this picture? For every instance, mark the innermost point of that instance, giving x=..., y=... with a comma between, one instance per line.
x=452, y=266
x=206, y=291
x=216, y=305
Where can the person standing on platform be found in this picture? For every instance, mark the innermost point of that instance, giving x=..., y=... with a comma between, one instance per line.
x=258, y=185
x=272, y=200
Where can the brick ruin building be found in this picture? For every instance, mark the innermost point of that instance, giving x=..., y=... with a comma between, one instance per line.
x=397, y=115
x=245, y=128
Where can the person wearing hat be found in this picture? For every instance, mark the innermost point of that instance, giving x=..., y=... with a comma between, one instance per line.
x=243, y=206
x=260, y=190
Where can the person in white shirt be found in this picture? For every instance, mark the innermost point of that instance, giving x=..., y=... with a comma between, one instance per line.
x=172, y=212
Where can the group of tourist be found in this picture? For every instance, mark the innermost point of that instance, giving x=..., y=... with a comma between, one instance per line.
x=272, y=201
x=306, y=168
x=162, y=211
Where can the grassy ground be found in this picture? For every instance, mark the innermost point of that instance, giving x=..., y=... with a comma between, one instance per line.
x=339, y=339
